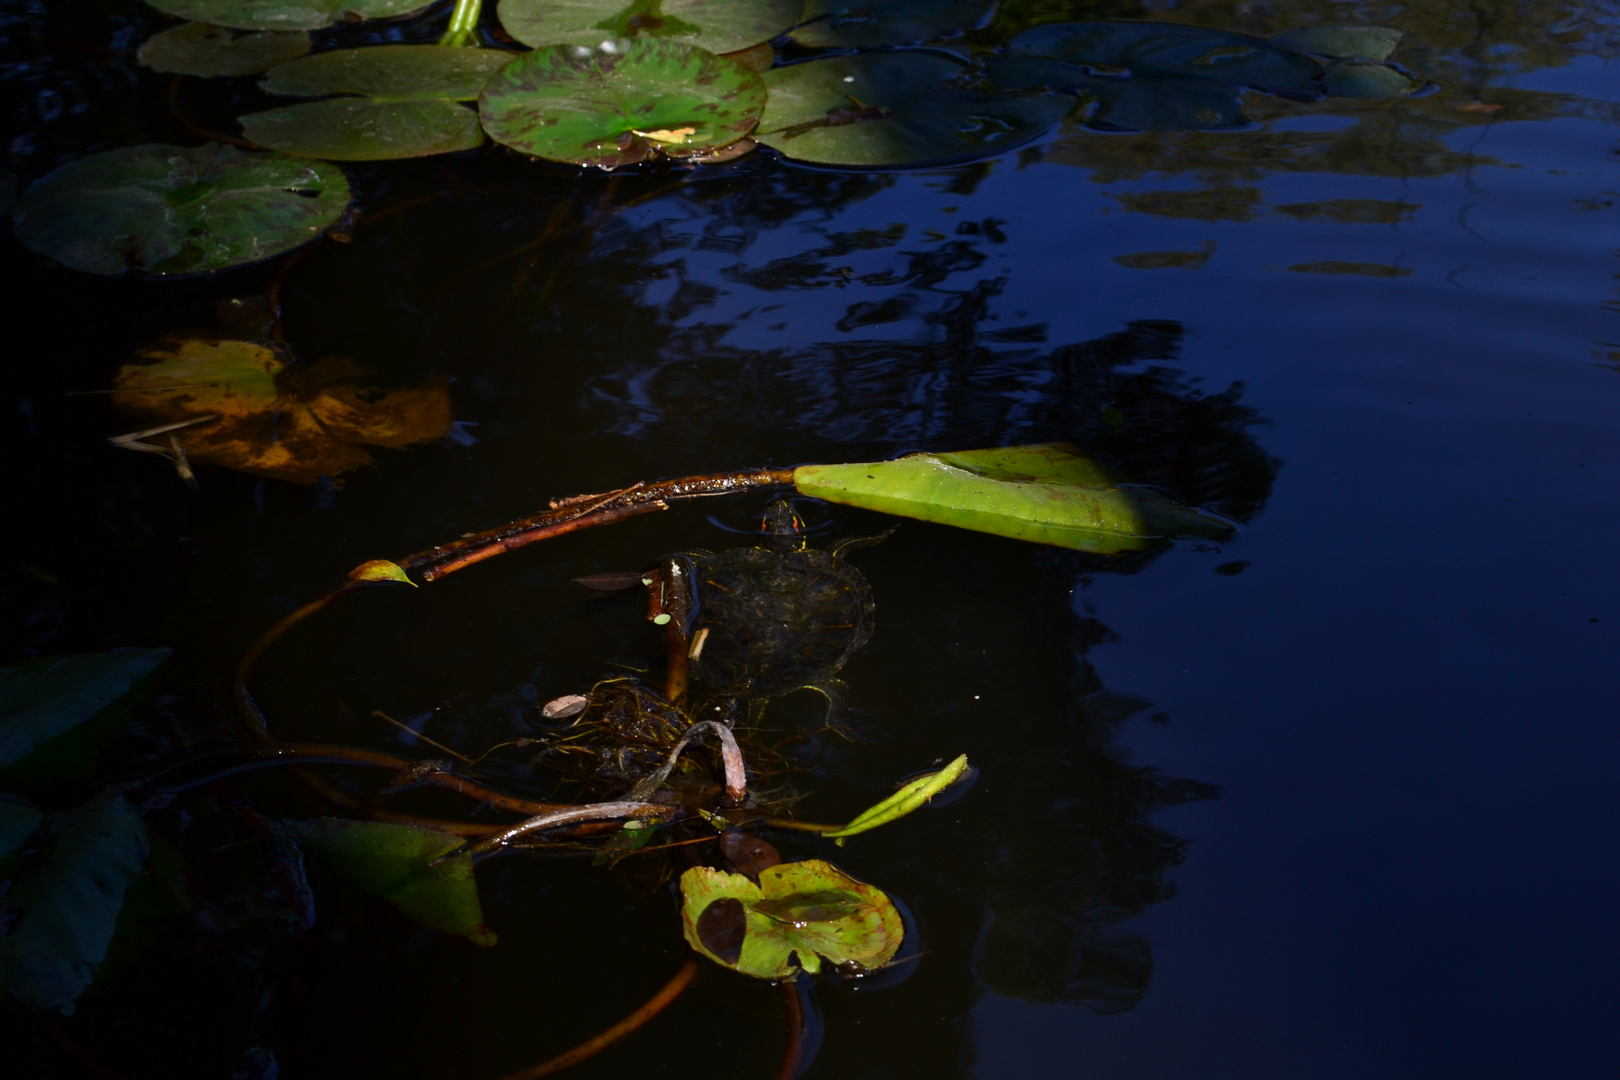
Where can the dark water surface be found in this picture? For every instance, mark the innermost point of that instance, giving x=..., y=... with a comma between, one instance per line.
x=1334, y=799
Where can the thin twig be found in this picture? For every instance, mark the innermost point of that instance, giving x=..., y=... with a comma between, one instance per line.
x=608, y=811
x=595, y=1045
x=379, y=714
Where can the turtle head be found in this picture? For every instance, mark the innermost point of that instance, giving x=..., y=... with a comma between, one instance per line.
x=781, y=527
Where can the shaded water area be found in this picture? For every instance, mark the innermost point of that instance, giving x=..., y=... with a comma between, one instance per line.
x=1330, y=799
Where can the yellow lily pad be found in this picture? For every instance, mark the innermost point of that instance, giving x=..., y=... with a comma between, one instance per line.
x=276, y=418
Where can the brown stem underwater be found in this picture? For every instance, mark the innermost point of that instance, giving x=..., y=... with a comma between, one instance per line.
x=595, y=1045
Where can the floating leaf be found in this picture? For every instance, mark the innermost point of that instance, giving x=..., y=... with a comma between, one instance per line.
x=901, y=108
x=289, y=421
x=209, y=51
x=1365, y=79
x=173, y=210
x=719, y=26
x=381, y=570
x=798, y=915
x=392, y=861
x=283, y=14
x=1112, y=103
x=18, y=821
x=63, y=913
x=408, y=107
x=902, y=802
x=854, y=24
x=1342, y=41
x=1045, y=493
x=601, y=106
x=40, y=701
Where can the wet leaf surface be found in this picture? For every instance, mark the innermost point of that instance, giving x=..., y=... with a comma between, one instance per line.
x=620, y=103
x=1045, y=493
x=42, y=700
x=289, y=421
x=716, y=25
x=910, y=797
x=175, y=210
x=283, y=14
x=847, y=24
x=798, y=915
x=895, y=109
x=392, y=861
x=208, y=51
x=63, y=910
x=407, y=108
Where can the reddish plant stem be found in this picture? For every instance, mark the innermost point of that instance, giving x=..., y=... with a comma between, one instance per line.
x=193, y=127
x=595, y=1045
x=793, y=1056
x=501, y=545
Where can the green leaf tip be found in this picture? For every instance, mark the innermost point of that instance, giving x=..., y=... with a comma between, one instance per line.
x=1045, y=493
x=908, y=798
x=381, y=570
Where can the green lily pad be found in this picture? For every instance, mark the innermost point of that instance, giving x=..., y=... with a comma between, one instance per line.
x=1045, y=493
x=64, y=910
x=176, y=210
x=209, y=51
x=1125, y=104
x=856, y=24
x=719, y=26
x=283, y=14
x=42, y=700
x=1155, y=51
x=899, y=108
x=797, y=916
x=1365, y=79
x=393, y=862
x=621, y=102
x=1342, y=41
x=408, y=109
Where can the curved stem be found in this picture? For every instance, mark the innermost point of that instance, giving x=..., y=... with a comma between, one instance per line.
x=564, y=816
x=793, y=1056
x=463, y=23
x=590, y=1047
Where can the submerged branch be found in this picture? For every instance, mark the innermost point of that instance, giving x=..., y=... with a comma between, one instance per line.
x=595, y=1045
x=562, y=816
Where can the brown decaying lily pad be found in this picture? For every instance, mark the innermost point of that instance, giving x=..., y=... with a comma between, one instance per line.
x=278, y=419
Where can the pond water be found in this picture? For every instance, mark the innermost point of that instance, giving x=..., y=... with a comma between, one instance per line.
x=1330, y=799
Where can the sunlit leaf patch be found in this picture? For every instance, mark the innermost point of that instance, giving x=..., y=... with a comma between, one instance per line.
x=620, y=103
x=176, y=210
x=799, y=915
x=208, y=51
x=896, y=109
x=406, y=108
x=716, y=25
x=283, y=14
x=1342, y=41
x=289, y=421
x=851, y=24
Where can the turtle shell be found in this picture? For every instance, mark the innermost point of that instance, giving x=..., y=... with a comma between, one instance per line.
x=776, y=620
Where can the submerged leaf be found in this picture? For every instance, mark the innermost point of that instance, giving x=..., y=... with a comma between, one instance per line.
x=854, y=24
x=797, y=916
x=1342, y=41
x=40, y=701
x=176, y=210
x=64, y=912
x=392, y=861
x=283, y=14
x=288, y=421
x=208, y=51
x=18, y=821
x=902, y=108
x=902, y=802
x=604, y=106
x=716, y=25
x=1045, y=493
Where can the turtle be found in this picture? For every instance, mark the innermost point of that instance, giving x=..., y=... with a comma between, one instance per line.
x=780, y=616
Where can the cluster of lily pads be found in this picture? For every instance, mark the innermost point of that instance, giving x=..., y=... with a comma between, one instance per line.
x=607, y=84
